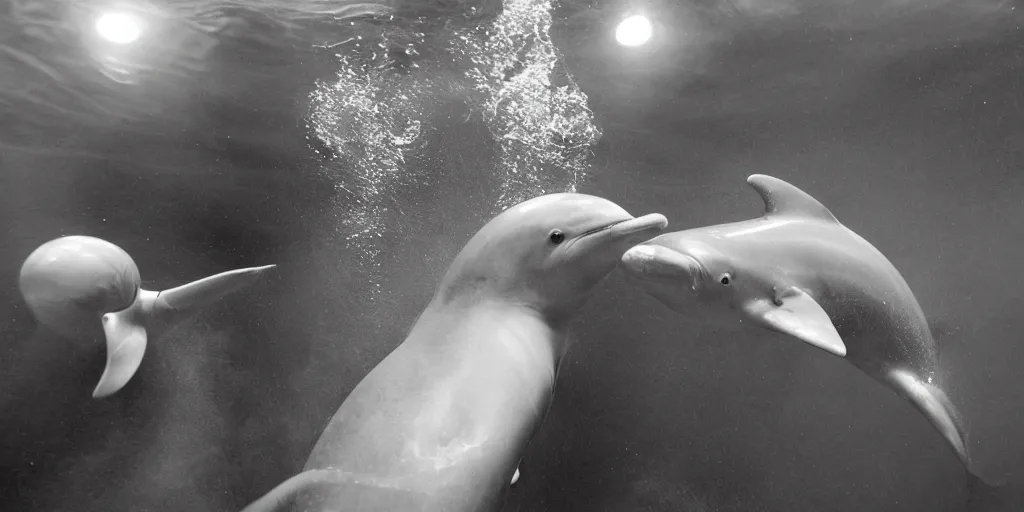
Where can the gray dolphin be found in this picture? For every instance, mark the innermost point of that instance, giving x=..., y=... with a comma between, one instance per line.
x=797, y=270
x=442, y=422
x=75, y=284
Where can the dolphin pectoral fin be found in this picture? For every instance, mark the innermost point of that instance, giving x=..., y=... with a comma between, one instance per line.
x=934, y=405
x=799, y=316
x=515, y=477
x=126, y=344
x=203, y=292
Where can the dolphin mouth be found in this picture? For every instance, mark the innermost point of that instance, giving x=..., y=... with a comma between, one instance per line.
x=626, y=232
x=654, y=222
x=655, y=262
x=651, y=222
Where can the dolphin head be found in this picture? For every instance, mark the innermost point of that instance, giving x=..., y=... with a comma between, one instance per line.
x=685, y=268
x=700, y=270
x=547, y=253
x=757, y=269
x=70, y=282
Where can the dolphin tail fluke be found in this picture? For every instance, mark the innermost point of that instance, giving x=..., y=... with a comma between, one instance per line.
x=126, y=344
x=936, y=406
x=944, y=416
x=197, y=294
x=986, y=497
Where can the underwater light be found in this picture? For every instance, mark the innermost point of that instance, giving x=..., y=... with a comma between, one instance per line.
x=119, y=27
x=634, y=31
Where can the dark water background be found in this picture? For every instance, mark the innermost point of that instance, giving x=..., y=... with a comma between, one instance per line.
x=902, y=116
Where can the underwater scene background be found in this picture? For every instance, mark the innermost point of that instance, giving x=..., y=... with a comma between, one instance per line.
x=358, y=146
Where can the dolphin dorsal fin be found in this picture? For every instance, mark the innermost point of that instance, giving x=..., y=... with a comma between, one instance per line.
x=781, y=198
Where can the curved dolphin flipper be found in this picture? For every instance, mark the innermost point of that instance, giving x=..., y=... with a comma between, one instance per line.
x=796, y=313
x=71, y=282
x=126, y=344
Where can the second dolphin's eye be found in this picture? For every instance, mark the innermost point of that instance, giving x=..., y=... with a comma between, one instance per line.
x=556, y=237
x=726, y=279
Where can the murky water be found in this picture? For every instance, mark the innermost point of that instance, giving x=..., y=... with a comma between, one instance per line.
x=358, y=147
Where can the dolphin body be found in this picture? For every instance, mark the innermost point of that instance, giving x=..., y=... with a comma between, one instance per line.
x=797, y=270
x=442, y=422
x=75, y=284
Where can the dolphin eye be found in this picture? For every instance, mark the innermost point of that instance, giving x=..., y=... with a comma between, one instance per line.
x=556, y=237
x=725, y=279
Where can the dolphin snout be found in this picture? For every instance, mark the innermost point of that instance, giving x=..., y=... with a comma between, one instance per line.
x=660, y=263
x=619, y=236
x=639, y=228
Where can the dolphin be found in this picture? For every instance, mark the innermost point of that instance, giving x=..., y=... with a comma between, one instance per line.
x=798, y=271
x=442, y=422
x=75, y=284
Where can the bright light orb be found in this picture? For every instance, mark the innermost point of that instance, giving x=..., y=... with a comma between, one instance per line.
x=634, y=31
x=119, y=27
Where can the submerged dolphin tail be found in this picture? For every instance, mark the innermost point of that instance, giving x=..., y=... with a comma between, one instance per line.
x=125, y=330
x=940, y=411
x=933, y=403
x=986, y=497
